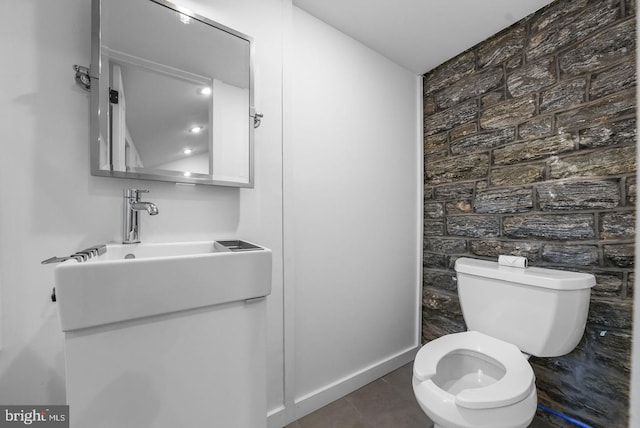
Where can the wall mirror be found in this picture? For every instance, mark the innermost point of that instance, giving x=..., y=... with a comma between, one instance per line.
x=171, y=95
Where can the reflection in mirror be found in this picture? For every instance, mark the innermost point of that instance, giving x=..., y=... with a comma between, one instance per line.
x=174, y=99
x=154, y=123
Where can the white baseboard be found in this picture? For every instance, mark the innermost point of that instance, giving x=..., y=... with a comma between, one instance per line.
x=281, y=416
x=276, y=417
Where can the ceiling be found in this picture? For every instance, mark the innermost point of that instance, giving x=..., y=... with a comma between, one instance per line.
x=420, y=34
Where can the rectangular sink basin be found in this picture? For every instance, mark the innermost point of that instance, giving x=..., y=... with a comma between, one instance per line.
x=131, y=281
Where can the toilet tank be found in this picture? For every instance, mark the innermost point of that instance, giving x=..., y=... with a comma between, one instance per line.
x=541, y=311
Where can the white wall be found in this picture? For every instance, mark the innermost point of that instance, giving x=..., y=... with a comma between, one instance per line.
x=352, y=212
x=50, y=205
x=230, y=129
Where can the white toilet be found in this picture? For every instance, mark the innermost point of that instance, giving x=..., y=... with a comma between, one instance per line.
x=481, y=378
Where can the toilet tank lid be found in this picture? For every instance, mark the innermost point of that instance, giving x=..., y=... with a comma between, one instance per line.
x=539, y=277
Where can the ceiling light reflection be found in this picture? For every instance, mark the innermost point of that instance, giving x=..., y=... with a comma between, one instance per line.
x=185, y=19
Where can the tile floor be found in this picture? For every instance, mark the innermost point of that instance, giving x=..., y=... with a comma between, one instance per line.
x=384, y=403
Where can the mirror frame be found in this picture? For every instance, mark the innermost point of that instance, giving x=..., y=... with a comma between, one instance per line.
x=98, y=119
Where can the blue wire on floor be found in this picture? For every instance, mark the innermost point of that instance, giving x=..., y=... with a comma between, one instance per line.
x=563, y=416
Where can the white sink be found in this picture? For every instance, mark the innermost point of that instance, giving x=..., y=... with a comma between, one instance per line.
x=140, y=280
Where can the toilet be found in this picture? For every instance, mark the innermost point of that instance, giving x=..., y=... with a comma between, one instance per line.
x=482, y=378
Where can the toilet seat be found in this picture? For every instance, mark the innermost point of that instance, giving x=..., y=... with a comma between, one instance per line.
x=514, y=386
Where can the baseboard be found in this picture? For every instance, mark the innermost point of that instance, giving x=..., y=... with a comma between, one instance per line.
x=276, y=417
x=281, y=416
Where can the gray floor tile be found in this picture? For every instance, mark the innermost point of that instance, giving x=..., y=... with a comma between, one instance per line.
x=539, y=423
x=400, y=379
x=339, y=414
x=384, y=403
x=381, y=405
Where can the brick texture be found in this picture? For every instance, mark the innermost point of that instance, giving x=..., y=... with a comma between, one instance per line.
x=530, y=148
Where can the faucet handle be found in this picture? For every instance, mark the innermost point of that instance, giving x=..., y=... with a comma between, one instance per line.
x=134, y=193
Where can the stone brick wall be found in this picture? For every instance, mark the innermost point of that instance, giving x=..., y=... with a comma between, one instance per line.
x=530, y=142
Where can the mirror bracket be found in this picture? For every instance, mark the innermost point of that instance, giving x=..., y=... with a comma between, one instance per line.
x=83, y=78
x=257, y=119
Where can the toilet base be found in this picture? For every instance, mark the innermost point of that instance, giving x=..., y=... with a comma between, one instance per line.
x=445, y=414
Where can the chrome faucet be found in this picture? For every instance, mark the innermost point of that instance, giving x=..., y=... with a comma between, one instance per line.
x=131, y=214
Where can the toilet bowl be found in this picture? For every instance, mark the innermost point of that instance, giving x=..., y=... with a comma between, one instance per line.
x=471, y=380
x=482, y=378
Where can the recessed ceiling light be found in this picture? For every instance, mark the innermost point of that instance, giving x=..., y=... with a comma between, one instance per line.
x=196, y=129
x=187, y=151
x=185, y=19
x=205, y=90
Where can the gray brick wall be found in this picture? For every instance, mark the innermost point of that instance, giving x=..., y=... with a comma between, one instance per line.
x=530, y=143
